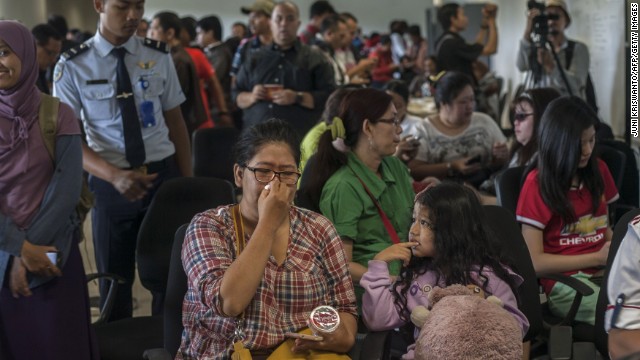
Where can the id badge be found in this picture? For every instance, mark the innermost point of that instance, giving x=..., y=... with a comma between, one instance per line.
x=147, y=114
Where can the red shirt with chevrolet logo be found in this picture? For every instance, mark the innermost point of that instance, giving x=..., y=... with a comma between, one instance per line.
x=585, y=236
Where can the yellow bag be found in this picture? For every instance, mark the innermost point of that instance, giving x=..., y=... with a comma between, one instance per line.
x=239, y=352
x=283, y=351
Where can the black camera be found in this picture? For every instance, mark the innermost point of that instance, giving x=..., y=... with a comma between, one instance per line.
x=540, y=28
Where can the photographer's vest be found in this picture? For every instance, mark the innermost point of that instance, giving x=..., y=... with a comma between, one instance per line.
x=590, y=93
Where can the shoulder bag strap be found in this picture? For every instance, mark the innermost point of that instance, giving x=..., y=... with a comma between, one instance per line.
x=239, y=351
x=48, y=119
x=385, y=220
x=239, y=229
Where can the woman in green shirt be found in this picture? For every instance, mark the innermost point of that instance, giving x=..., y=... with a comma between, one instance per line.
x=372, y=132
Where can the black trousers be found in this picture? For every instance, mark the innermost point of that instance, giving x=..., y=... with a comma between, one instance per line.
x=115, y=225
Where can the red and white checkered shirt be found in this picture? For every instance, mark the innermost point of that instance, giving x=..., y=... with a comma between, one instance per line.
x=315, y=272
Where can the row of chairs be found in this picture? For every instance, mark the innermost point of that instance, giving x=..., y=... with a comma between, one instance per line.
x=176, y=202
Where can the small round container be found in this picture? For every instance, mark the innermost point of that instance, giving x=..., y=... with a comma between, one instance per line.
x=324, y=320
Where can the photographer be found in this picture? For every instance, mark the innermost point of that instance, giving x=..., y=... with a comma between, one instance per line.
x=453, y=52
x=543, y=34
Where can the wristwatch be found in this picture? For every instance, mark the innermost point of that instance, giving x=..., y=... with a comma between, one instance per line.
x=299, y=98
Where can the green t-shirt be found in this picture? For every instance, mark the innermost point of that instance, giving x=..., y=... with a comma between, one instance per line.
x=345, y=202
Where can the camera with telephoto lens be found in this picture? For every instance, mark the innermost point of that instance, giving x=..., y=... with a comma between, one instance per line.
x=540, y=28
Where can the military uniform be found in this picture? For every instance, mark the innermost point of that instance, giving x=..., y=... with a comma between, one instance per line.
x=623, y=310
x=86, y=79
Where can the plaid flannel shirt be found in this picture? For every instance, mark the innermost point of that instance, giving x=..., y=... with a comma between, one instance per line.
x=315, y=272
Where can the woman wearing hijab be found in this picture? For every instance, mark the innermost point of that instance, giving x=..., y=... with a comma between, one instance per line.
x=44, y=308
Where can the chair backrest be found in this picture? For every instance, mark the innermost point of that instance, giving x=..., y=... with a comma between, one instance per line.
x=212, y=152
x=619, y=232
x=175, y=203
x=615, y=161
x=629, y=189
x=508, y=184
x=176, y=289
x=507, y=231
x=303, y=198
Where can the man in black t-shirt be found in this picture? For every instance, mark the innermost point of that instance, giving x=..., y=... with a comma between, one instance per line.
x=453, y=52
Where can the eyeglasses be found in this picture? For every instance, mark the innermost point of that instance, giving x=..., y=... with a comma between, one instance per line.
x=266, y=175
x=521, y=116
x=393, y=121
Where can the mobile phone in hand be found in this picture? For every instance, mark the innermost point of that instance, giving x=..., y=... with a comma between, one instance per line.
x=473, y=160
x=303, y=336
x=53, y=257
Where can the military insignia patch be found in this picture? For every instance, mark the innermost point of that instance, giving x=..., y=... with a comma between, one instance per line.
x=146, y=65
x=57, y=72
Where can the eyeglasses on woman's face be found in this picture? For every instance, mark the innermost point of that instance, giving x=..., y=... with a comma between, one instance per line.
x=264, y=175
x=394, y=121
x=521, y=116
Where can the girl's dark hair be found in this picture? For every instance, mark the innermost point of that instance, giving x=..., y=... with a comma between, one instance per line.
x=450, y=85
x=539, y=99
x=559, y=152
x=463, y=244
x=252, y=139
x=357, y=105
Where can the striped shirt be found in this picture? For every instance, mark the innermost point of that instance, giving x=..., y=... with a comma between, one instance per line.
x=314, y=273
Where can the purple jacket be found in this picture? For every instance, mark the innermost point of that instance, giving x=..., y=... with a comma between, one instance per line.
x=379, y=311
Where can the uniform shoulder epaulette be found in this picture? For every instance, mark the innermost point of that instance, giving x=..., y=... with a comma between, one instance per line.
x=75, y=51
x=156, y=45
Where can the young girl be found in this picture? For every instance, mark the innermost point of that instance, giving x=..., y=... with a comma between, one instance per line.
x=448, y=244
x=529, y=107
x=563, y=204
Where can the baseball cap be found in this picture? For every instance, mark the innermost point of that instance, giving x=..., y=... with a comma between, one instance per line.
x=562, y=5
x=265, y=6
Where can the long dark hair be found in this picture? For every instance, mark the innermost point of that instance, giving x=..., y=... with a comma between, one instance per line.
x=559, y=152
x=463, y=244
x=357, y=105
x=538, y=99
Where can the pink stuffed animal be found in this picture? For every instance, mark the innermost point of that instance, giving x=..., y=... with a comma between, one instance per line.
x=462, y=324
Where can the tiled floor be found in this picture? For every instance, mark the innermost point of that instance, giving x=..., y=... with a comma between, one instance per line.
x=142, y=303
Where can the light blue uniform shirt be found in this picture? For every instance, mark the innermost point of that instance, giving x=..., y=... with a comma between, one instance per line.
x=87, y=82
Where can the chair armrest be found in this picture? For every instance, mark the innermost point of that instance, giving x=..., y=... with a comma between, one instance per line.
x=581, y=289
x=584, y=351
x=376, y=345
x=114, y=280
x=156, y=354
x=572, y=282
x=560, y=343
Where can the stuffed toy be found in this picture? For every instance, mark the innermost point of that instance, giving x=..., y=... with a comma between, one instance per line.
x=462, y=324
